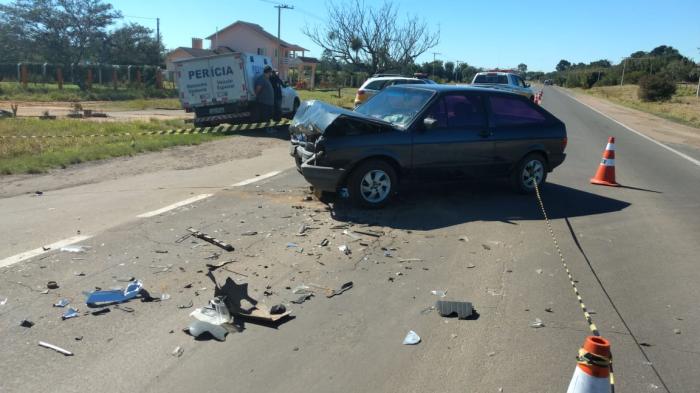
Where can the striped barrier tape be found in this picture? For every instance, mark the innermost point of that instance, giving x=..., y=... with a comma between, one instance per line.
x=220, y=129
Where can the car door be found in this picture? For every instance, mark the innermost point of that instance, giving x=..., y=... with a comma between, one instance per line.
x=288, y=95
x=459, y=143
x=518, y=125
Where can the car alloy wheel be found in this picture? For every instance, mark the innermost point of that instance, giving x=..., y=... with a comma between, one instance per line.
x=532, y=173
x=375, y=186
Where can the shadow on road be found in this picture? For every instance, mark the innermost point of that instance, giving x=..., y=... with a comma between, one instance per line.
x=443, y=206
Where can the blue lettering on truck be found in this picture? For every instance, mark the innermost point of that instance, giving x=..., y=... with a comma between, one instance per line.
x=208, y=72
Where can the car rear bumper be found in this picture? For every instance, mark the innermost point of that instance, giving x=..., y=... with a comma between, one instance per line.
x=323, y=178
x=555, y=160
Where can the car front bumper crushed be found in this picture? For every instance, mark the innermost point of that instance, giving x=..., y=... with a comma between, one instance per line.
x=323, y=178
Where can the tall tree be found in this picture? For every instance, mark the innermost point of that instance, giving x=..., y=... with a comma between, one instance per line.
x=63, y=31
x=372, y=37
x=522, y=68
x=563, y=65
x=449, y=70
x=132, y=44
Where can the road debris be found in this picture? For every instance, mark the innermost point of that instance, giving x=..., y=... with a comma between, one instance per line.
x=464, y=239
x=439, y=292
x=188, y=305
x=411, y=338
x=345, y=249
x=210, y=239
x=214, y=266
x=161, y=251
x=471, y=266
x=101, y=311
x=215, y=313
x=351, y=235
x=538, y=271
x=302, y=230
x=70, y=313
x=75, y=248
x=132, y=290
x=677, y=331
x=548, y=309
x=26, y=323
x=537, y=323
x=62, y=303
x=249, y=233
x=486, y=247
x=52, y=285
x=198, y=328
x=369, y=232
x=345, y=287
x=404, y=260
x=178, y=351
x=123, y=308
x=164, y=296
x=462, y=309
x=301, y=299
x=324, y=242
x=55, y=348
x=3, y=302
x=302, y=290
x=278, y=309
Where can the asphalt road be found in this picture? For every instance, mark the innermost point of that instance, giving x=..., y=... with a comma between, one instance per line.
x=633, y=251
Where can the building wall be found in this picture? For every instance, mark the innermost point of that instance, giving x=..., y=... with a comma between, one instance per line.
x=243, y=39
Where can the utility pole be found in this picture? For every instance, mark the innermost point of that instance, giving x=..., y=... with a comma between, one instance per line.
x=280, y=7
x=624, y=65
x=158, y=36
x=435, y=54
x=697, y=92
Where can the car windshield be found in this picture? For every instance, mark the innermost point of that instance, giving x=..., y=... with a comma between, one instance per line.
x=396, y=105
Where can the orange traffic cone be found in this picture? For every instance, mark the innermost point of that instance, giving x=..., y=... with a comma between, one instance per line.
x=592, y=374
x=605, y=176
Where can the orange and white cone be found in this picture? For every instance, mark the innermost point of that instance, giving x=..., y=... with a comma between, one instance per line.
x=605, y=176
x=592, y=374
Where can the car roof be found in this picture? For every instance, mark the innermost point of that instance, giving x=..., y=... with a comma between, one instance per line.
x=381, y=78
x=452, y=88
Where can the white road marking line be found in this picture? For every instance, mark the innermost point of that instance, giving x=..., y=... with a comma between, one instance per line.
x=174, y=206
x=38, y=251
x=672, y=150
x=255, y=179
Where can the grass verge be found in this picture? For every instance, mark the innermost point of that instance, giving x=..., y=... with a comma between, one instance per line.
x=40, y=154
x=683, y=107
x=12, y=91
x=346, y=99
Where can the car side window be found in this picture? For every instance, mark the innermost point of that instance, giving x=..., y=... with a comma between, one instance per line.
x=512, y=110
x=465, y=111
x=438, y=112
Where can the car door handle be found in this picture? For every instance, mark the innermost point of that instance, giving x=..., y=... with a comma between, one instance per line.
x=485, y=133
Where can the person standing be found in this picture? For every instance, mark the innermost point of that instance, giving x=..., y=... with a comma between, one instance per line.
x=277, y=88
x=264, y=95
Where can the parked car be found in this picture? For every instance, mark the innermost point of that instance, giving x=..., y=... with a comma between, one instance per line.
x=547, y=82
x=504, y=80
x=423, y=134
x=376, y=83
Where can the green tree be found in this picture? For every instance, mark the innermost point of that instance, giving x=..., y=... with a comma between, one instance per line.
x=563, y=65
x=132, y=44
x=522, y=68
x=449, y=70
x=656, y=88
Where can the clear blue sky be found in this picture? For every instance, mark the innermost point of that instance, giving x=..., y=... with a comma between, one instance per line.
x=488, y=34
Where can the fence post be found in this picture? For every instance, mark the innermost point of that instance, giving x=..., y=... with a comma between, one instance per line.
x=25, y=75
x=114, y=77
x=159, y=78
x=59, y=77
x=72, y=73
x=128, y=74
x=43, y=71
x=138, y=77
x=88, y=78
x=99, y=73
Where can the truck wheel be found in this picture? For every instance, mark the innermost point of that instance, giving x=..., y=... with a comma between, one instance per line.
x=372, y=184
x=531, y=169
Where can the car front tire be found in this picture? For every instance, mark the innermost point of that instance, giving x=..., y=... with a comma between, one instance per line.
x=532, y=168
x=372, y=184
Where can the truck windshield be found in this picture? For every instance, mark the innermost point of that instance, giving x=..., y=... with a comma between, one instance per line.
x=498, y=79
x=398, y=106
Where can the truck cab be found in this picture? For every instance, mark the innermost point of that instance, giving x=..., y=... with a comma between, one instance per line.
x=509, y=81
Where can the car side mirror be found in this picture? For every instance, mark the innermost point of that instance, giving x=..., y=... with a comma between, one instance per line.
x=429, y=123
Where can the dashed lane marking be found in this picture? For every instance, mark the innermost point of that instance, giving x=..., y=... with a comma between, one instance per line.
x=255, y=179
x=41, y=250
x=174, y=206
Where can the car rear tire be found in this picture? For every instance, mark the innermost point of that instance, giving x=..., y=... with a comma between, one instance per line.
x=532, y=167
x=372, y=184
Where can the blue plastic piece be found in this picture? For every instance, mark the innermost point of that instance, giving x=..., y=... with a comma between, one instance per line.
x=115, y=296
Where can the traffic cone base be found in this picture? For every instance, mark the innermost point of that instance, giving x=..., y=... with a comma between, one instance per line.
x=605, y=175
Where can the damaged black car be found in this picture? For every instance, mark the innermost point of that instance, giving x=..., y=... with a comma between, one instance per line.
x=425, y=133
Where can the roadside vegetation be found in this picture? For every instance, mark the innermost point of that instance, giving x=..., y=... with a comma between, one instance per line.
x=346, y=99
x=37, y=155
x=683, y=106
x=13, y=91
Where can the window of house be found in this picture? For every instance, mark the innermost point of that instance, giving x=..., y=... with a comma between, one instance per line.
x=261, y=51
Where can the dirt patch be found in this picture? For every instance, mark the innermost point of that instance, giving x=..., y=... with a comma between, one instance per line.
x=655, y=127
x=181, y=157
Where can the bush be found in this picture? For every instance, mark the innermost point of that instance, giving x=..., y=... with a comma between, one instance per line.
x=656, y=88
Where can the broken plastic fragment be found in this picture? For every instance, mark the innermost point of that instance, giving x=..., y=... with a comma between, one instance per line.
x=292, y=245
x=411, y=338
x=278, y=309
x=62, y=303
x=439, y=292
x=26, y=323
x=75, y=248
x=302, y=290
x=70, y=313
x=216, y=313
x=164, y=296
x=197, y=328
x=3, y=302
x=462, y=309
x=537, y=323
x=344, y=249
x=178, y=351
x=55, y=348
x=115, y=296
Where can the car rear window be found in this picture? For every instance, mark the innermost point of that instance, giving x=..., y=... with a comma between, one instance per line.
x=513, y=110
x=376, y=85
x=485, y=78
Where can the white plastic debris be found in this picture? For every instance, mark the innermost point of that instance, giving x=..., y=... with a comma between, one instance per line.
x=302, y=290
x=55, y=348
x=3, y=302
x=164, y=296
x=178, y=351
x=412, y=338
x=344, y=249
x=70, y=313
x=537, y=323
x=62, y=303
x=439, y=292
x=75, y=248
x=539, y=271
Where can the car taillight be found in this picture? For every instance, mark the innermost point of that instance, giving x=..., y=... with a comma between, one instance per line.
x=563, y=143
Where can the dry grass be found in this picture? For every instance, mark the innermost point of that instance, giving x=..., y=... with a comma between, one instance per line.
x=346, y=99
x=683, y=108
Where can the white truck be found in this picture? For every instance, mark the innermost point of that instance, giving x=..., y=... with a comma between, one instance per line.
x=219, y=88
x=508, y=81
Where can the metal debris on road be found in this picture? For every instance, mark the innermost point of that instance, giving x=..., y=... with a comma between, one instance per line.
x=210, y=239
x=471, y=266
x=26, y=323
x=345, y=287
x=301, y=299
x=55, y=348
x=351, y=235
x=52, y=285
x=302, y=229
x=548, y=309
x=70, y=313
x=537, y=323
x=214, y=266
x=462, y=309
x=124, y=308
x=215, y=313
x=75, y=248
x=249, y=233
x=324, y=242
x=198, y=328
x=464, y=239
x=369, y=232
x=677, y=331
x=345, y=249
x=101, y=311
x=132, y=290
x=62, y=303
x=178, y=351
x=439, y=292
x=188, y=305
x=411, y=338
x=79, y=274
x=403, y=260
x=161, y=251
x=164, y=296
x=3, y=302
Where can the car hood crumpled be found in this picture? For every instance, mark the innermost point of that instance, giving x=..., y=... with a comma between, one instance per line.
x=314, y=117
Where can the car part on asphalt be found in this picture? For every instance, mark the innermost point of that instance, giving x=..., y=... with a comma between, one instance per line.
x=345, y=249
x=70, y=313
x=412, y=338
x=439, y=292
x=537, y=323
x=75, y=248
x=278, y=309
x=52, y=285
x=446, y=308
x=132, y=290
x=55, y=348
x=210, y=239
x=198, y=328
x=62, y=303
x=215, y=313
x=345, y=287
x=26, y=323
x=101, y=311
x=301, y=299
x=214, y=266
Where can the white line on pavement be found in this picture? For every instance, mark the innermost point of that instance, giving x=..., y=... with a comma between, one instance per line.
x=255, y=179
x=32, y=253
x=672, y=150
x=174, y=206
